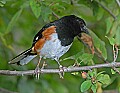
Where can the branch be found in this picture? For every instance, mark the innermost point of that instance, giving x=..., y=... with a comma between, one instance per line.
x=6, y=91
x=69, y=69
x=118, y=2
x=105, y=8
x=55, y=15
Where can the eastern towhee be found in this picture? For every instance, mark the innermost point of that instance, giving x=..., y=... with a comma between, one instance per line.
x=53, y=40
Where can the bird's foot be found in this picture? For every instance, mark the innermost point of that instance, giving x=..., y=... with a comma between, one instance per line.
x=37, y=72
x=62, y=69
x=113, y=63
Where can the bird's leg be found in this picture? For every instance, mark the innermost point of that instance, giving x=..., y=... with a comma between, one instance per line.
x=37, y=69
x=61, y=69
x=61, y=73
x=43, y=65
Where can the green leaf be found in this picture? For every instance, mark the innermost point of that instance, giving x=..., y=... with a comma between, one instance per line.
x=74, y=57
x=100, y=73
x=96, y=8
x=86, y=57
x=101, y=78
x=111, y=40
x=94, y=88
x=25, y=4
x=45, y=12
x=107, y=79
x=13, y=20
x=36, y=8
x=100, y=13
x=75, y=73
x=112, y=71
x=2, y=3
x=109, y=23
x=104, y=79
x=91, y=73
x=117, y=37
x=114, y=29
x=99, y=44
x=85, y=85
x=80, y=55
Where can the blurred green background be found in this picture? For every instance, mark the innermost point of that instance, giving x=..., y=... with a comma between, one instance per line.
x=20, y=20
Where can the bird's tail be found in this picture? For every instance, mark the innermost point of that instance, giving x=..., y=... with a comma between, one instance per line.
x=24, y=57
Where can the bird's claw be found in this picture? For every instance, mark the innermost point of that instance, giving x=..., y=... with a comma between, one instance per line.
x=37, y=72
x=61, y=71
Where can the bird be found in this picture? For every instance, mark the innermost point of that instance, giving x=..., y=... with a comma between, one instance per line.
x=53, y=40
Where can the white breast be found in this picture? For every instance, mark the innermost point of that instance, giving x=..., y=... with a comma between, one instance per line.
x=53, y=49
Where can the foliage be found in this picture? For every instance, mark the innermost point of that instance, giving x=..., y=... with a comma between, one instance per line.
x=20, y=20
x=93, y=80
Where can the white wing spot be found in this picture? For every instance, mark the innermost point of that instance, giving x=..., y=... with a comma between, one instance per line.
x=37, y=38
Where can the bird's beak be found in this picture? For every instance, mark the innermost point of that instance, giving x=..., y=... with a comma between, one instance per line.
x=85, y=30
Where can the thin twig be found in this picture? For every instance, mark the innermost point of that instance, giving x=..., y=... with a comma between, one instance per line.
x=105, y=8
x=115, y=52
x=118, y=2
x=69, y=69
x=55, y=15
x=6, y=91
x=115, y=55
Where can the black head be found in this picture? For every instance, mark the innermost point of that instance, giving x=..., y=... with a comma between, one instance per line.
x=67, y=28
x=77, y=24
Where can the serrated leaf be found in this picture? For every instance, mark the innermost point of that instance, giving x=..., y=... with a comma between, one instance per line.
x=85, y=85
x=36, y=8
x=99, y=44
x=13, y=20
